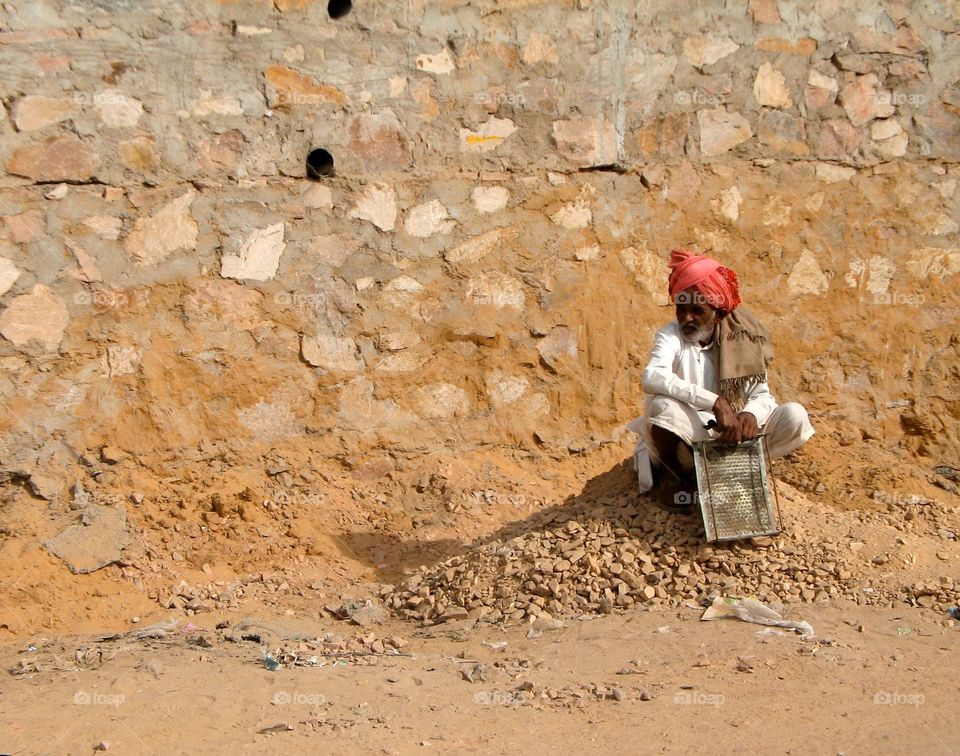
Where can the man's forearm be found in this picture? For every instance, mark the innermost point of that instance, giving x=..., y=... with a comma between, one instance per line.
x=657, y=381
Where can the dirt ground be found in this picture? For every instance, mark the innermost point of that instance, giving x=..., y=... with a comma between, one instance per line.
x=267, y=572
x=871, y=681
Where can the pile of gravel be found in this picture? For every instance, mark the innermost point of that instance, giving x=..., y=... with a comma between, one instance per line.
x=622, y=551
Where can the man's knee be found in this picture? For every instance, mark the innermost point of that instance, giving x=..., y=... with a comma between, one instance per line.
x=662, y=405
x=791, y=430
x=794, y=416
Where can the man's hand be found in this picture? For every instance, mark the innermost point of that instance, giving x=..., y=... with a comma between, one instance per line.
x=748, y=426
x=726, y=417
x=734, y=428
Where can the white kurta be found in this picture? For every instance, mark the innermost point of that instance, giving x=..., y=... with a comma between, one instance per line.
x=681, y=379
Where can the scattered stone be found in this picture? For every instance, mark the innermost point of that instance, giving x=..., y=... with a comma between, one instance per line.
x=838, y=139
x=112, y=455
x=821, y=90
x=26, y=227
x=765, y=11
x=476, y=673
x=364, y=613
x=35, y=112
x=8, y=275
x=490, y=199
x=832, y=173
x=377, y=204
x=721, y=131
x=560, y=343
x=705, y=50
x=439, y=63
x=168, y=230
x=586, y=141
x=40, y=315
x=105, y=226
x=94, y=543
x=57, y=158
x=770, y=88
x=728, y=204
x=573, y=216
x=332, y=353
x=540, y=48
x=259, y=255
x=442, y=401
x=117, y=111
x=379, y=142
x=488, y=137
x=290, y=88
x=863, y=102
x=428, y=219
x=474, y=249
x=58, y=192
x=139, y=154
x=497, y=289
x=207, y=105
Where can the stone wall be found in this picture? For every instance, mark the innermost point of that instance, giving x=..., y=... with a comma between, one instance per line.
x=486, y=263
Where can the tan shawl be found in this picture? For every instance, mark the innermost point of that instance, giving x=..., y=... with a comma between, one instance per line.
x=743, y=352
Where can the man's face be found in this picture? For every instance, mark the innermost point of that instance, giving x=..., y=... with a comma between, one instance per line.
x=697, y=319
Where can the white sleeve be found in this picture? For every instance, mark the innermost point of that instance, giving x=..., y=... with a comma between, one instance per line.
x=760, y=402
x=659, y=378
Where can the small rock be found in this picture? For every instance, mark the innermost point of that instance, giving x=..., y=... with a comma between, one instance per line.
x=58, y=192
x=112, y=455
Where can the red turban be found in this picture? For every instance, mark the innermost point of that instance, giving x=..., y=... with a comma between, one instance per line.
x=718, y=285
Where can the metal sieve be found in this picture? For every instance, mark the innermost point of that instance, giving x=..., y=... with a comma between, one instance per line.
x=735, y=490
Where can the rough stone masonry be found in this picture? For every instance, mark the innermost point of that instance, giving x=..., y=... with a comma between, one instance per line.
x=486, y=261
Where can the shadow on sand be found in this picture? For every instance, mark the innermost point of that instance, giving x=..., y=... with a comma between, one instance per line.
x=610, y=495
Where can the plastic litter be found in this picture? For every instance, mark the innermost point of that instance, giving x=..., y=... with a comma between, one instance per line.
x=156, y=630
x=954, y=612
x=751, y=610
x=270, y=662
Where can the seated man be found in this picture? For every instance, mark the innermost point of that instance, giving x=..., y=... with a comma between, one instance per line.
x=710, y=364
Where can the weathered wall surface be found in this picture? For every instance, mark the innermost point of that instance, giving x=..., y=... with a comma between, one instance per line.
x=488, y=264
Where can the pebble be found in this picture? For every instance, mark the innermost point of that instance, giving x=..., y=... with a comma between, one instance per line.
x=599, y=558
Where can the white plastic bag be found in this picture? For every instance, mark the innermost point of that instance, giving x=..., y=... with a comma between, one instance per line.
x=751, y=610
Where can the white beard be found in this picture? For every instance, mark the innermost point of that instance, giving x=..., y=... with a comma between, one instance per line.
x=700, y=335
